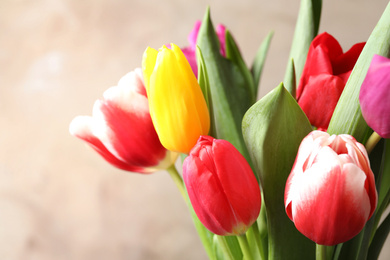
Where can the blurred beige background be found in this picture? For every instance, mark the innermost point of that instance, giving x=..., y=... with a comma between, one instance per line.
x=59, y=199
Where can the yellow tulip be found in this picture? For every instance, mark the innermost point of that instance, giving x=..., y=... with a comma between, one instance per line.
x=178, y=109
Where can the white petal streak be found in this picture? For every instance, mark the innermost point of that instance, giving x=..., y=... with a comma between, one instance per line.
x=305, y=186
x=101, y=129
x=81, y=126
x=355, y=179
x=125, y=98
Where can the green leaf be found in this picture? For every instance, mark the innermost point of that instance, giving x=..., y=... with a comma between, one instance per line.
x=290, y=79
x=234, y=246
x=203, y=80
x=379, y=239
x=231, y=96
x=258, y=63
x=347, y=117
x=252, y=241
x=383, y=183
x=273, y=129
x=306, y=29
x=262, y=224
x=233, y=54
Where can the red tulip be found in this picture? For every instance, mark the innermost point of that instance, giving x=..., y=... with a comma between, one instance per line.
x=375, y=96
x=121, y=128
x=190, y=51
x=330, y=193
x=324, y=76
x=221, y=186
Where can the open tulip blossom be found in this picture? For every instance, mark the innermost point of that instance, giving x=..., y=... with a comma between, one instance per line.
x=259, y=183
x=324, y=76
x=121, y=130
x=330, y=193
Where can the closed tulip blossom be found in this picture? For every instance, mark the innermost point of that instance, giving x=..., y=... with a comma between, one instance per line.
x=330, y=193
x=221, y=186
x=177, y=106
x=121, y=129
x=324, y=76
x=375, y=96
x=190, y=51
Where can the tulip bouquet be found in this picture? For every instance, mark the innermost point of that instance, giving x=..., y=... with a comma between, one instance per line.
x=302, y=173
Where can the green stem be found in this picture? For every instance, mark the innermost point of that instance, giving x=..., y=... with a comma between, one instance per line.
x=177, y=180
x=204, y=234
x=256, y=232
x=337, y=251
x=224, y=248
x=321, y=252
x=245, y=247
x=372, y=141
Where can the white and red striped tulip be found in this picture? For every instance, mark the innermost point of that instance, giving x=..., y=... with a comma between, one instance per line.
x=121, y=129
x=330, y=193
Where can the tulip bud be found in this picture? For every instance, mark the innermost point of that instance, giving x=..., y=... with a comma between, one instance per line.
x=375, y=96
x=324, y=76
x=221, y=186
x=121, y=129
x=177, y=106
x=330, y=193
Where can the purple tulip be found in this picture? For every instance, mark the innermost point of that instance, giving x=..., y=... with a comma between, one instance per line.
x=375, y=96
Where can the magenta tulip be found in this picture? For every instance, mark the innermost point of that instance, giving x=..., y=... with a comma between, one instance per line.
x=330, y=193
x=375, y=96
x=324, y=76
x=221, y=186
x=121, y=128
x=190, y=51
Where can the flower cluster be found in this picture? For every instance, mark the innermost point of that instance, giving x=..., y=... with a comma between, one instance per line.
x=267, y=179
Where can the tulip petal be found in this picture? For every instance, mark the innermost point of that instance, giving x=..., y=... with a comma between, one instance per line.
x=192, y=37
x=233, y=183
x=190, y=55
x=118, y=129
x=205, y=193
x=319, y=109
x=133, y=81
x=375, y=96
x=148, y=64
x=345, y=62
x=339, y=194
x=81, y=127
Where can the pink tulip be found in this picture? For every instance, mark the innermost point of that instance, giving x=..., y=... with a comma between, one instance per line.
x=324, y=76
x=221, y=186
x=375, y=96
x=330, y=193
x=121, y=129
x=190, y=51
